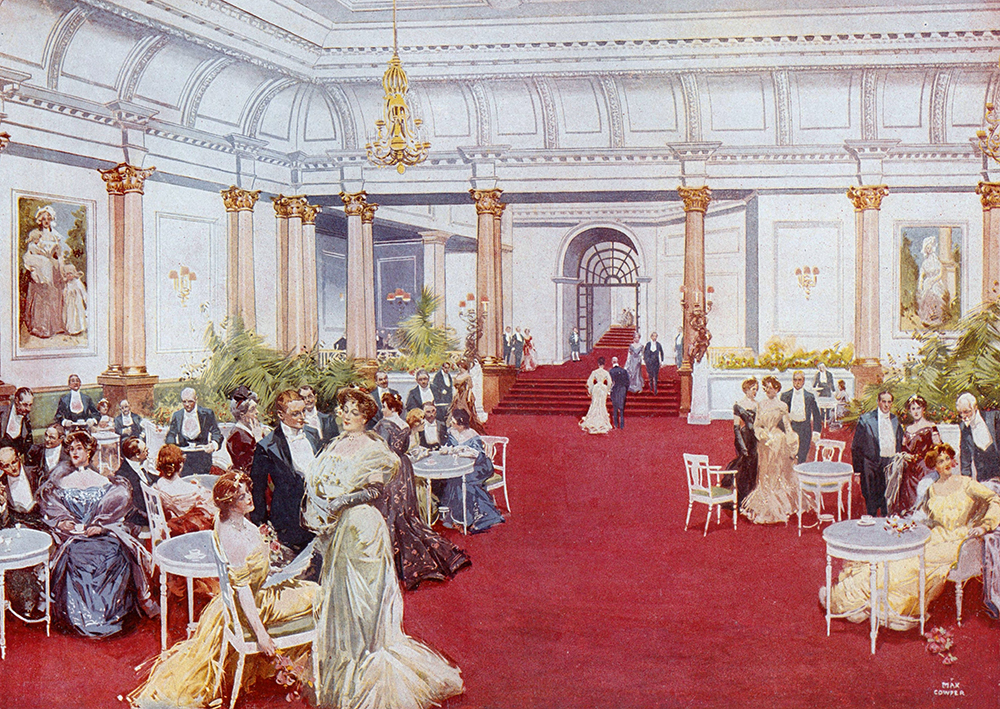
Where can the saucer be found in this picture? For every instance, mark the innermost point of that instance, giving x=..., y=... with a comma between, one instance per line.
x=870, y=522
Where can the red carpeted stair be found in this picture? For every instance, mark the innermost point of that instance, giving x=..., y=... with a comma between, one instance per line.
x=562, y=389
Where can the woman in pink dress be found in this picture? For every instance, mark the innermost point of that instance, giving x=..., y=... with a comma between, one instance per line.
x=528, y=364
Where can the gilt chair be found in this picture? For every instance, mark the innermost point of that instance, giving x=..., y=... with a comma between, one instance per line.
x=496, y=450
x=291, y=633
x=704, y=486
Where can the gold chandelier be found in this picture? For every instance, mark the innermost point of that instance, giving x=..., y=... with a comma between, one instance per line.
x=396, y=141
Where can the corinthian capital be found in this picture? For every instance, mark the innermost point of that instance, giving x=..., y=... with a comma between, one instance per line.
x=368, y=213
x=237, y=200
x=123, y=178
x=310, y=212
x=867, y=197
x=695, y=199
x=354, y=202
x=989, y=193
x=290, y=206
x=487, y=201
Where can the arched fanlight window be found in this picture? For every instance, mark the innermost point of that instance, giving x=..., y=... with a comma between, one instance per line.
x=609, y=262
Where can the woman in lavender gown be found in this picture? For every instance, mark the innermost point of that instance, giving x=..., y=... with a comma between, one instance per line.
x=97, y=577
x=633, y=365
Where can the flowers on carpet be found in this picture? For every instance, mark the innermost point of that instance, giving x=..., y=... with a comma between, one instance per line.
x=293, y=675
x=940, y=642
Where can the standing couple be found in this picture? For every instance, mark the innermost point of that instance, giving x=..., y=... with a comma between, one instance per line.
x=600, y=384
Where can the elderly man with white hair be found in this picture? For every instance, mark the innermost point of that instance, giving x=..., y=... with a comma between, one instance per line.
x=980, y=433
x=196, y=431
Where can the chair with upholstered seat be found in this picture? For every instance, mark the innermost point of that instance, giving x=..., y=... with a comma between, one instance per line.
x=294, y=632
x=705, y=487
x=496, y=450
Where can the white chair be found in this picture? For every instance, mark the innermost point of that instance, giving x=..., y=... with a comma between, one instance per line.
x=829, y=450
x=970, y=561
x=299, y=631
x=158, y=529
x=704, y=486
x=496, y=450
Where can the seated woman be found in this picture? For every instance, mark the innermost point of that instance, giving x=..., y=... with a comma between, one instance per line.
x=482, y=511
x=97, y=578
x=365, y=657
x=242, y=442
x=956, y=507
x=187, y=505
x=464, y=399
x=104, y=422
x=420, y=553
x=188, y=674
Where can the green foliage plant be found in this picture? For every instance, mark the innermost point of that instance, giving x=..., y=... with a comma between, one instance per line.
x=422, y=345
x=782, y=354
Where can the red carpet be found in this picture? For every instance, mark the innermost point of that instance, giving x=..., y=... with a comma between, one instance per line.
x=562, y=389
x=592, y=596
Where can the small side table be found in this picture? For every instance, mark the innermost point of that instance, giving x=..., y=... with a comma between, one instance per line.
x=22, y=548
x=875, y=544
x=191, y=556
x=824, y=476
x=443, y=466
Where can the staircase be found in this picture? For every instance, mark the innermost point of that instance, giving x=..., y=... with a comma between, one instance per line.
x=561, y=390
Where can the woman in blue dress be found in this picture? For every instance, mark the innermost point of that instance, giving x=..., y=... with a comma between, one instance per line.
x=482, y=511
x=97, y=579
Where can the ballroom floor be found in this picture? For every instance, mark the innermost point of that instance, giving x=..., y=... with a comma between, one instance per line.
x=592, y=595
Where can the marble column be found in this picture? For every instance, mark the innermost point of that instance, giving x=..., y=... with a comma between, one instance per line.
x=310, y=280
x=291, y=301
x=240, y=291
x=696, y=334
x=989, y=192
x=434, y=273
x=368, y=268
x=360, y=333
x=867, y=201
x=489, y=209
x=498, y=302
x=126, y=375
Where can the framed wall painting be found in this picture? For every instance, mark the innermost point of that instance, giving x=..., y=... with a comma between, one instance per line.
x=53, y=292
x=929, y=276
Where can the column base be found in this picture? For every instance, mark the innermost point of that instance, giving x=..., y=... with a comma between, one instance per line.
x=137, y=388
x=867, y=372
x=498, y=378
x=686, y=385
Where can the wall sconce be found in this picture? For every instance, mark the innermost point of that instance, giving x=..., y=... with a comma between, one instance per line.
x=182, y=283
x=807, y=278
x=399, y=296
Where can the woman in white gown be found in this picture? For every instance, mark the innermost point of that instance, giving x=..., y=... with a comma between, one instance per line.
x=775, y=498
x=365, y=658
x=598, y=385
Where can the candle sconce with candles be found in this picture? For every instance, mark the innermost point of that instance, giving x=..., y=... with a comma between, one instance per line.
x=401, y=298
x=182, y=281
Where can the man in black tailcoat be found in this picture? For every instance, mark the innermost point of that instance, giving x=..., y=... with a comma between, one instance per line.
x=619, y=391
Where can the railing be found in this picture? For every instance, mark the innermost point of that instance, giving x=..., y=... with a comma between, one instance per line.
x=325, y=356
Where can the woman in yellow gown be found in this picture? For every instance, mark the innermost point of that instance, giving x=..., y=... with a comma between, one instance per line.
x=957, y=507
x=188, y=674
x=365, y=658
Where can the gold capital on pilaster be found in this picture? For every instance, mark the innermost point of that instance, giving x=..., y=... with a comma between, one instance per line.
x=368, y=213
x=488, y=201
x=4, y=141
x=310, y=212
x=695, y=199
x=989, y=193
x=867, y=197
x=124, y=178
x=237, y=200
x=290, y=206
x=353, y=202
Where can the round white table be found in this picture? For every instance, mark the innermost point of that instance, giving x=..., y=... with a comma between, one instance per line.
x=191, y=556
x=824, y=476
x=444, y=466
x=875, y=544
x=22, y=548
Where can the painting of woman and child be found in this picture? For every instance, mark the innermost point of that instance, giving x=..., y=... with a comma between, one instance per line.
x=52, y=275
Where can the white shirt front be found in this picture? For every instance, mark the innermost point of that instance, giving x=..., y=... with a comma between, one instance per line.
x=191, y=428
x=300, y=448
x=886, y=437
x=22, y=498
x=14, y=424
x=431, y=432
x=126, y=420
x=980, y=432
x=312, y=419
x=426, y=395
x=52, y=456
x=75, y=402
x=798, y=408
